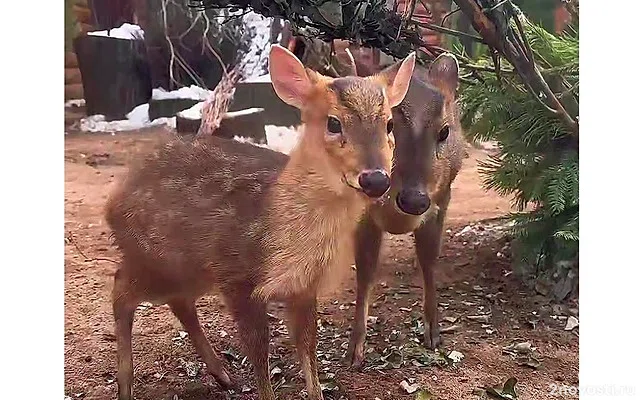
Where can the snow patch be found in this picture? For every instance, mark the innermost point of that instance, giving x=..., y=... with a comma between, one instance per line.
x=194, y=112
x=138, y=118
x=279, y=138
x=74, y=103
x=125, y=31
x=192, y=92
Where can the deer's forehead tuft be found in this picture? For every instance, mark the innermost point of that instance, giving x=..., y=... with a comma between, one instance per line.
x=362, y=96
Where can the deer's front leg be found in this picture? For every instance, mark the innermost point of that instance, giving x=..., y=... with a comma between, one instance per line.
x=302, y=325
x=368, y=239
x=428, y=240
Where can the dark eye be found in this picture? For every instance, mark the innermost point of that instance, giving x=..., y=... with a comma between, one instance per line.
x=443, y=134
x=390, y=126
x=333, y=125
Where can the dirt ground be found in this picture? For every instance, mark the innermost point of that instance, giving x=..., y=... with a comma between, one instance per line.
x=473, y=279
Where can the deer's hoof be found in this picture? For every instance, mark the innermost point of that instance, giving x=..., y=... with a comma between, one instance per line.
x=223, y=379
x=432, y=338
x=355, y=354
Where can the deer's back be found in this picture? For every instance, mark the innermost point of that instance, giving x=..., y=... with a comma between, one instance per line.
x=192, y=213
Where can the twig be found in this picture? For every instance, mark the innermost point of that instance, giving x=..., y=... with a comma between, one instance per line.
x=205, y=41
x=72, y=241
x=166, y=36
x=447, y=15
x=449, y=31
x=193, y=25
x=569, y=91
x=527, y=46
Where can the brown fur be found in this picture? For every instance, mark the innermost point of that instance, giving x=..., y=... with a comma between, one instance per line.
x=248, y=223
x=419, y=161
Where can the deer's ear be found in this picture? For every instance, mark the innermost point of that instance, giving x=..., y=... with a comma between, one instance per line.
x=397, y=78
x=289, y=77
x=443, y=74
x=344, y=56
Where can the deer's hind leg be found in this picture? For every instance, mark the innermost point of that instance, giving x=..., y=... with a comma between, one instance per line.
x=253, y=326
x=124, y=300
x=185, y=311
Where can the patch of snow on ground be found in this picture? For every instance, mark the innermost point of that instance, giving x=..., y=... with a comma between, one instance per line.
x=125, y=31
x=259, y=49
x=74, y=103
x=138, y=118
x=195, y=112
x=192, y=92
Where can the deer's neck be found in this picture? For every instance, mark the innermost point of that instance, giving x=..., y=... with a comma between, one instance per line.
x=312, y=218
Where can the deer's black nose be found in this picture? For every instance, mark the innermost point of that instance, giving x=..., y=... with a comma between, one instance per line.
x=413, y=201
x=374, y=182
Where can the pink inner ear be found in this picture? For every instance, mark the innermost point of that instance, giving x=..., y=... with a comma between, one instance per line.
x=400, y=85
x=288, y=77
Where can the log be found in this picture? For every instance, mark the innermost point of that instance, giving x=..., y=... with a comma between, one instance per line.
x=72, y=75
x=83, y=14
x=115, y=74
x=187, y=126
x=262, y=94
x=169, y=107
x=70, y=59
x=247, y=123
x=73, y=91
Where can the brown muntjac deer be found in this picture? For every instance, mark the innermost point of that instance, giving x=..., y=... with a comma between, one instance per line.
x=252, y=224
x=428, y=155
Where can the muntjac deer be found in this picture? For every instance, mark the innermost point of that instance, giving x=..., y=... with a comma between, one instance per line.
x=428, y=155
x=252, y=224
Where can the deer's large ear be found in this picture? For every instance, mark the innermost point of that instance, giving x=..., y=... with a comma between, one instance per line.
x=344, y=56
x=397, y=78
x=289, y=77
x=443, y=74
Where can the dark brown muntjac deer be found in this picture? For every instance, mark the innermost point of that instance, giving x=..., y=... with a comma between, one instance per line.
x=252, y=224
x=428, y=155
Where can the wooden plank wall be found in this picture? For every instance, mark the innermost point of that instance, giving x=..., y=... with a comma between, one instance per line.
x=72, y=77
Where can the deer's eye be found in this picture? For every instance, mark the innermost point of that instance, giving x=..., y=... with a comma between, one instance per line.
x=389, y=126
x=333, y=125
x=443, y=134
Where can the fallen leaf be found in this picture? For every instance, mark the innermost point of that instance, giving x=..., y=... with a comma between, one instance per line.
x=190, y=368
x=572, y=322
x=449, y=329
x=424, y=394
x=450, y=320
x=409, y=388
x=479, y=318
x=455, y=356
x=275, y=371
x=530, y=362
x=507, y=392
x=230, y=354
